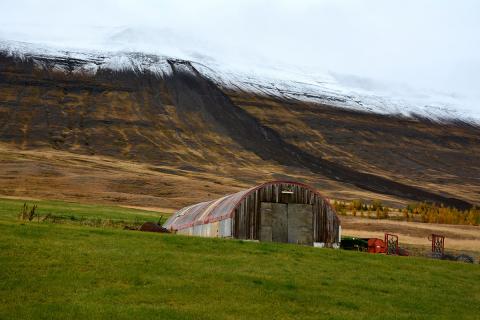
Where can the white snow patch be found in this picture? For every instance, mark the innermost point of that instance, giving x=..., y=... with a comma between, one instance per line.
x=325, y=88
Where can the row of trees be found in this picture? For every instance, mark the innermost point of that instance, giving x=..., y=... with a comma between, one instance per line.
x=421, y=212
x=375, y=209
x=434, y=213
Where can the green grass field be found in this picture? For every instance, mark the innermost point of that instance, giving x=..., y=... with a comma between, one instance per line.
x=9, y=209
x=65, y=271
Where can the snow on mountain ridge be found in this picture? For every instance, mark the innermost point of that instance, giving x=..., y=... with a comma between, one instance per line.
x=287, y=84
x=88, y=61
x=328, y=91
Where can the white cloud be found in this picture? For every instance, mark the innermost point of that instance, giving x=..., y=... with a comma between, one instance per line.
x=431, y=44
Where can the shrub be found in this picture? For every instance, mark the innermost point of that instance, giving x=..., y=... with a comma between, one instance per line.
x=27, y=213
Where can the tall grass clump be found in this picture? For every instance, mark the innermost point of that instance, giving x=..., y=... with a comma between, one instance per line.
x=28, y=213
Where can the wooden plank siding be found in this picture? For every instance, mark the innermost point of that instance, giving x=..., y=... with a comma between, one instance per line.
x=247, y=214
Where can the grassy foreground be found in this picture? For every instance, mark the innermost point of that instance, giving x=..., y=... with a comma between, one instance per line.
x=9, y=209
x=65, y=271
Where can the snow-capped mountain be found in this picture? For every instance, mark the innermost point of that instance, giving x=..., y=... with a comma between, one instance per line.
x=206, y=115
x=283, y=82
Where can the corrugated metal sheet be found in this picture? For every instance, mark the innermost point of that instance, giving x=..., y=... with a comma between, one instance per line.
x=221, y=229
x=205, y=212
x=238, y=215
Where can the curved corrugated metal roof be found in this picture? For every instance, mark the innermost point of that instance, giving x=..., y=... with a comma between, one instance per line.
x=219, y=209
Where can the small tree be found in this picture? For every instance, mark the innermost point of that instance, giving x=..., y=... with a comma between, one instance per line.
x=386, y=212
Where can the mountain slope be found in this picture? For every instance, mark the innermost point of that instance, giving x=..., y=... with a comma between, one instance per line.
x=169, y=112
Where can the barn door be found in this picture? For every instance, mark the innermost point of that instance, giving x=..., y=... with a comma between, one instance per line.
x=281, y=222
x=273, y=222
x=300, y=223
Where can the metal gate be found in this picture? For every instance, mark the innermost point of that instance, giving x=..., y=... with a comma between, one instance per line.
x=438, y=244
x=391, y=241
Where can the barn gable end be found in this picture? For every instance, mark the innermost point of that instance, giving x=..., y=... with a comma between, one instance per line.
x=300, y=215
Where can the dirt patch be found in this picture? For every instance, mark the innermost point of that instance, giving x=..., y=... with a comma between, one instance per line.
x=152, y=227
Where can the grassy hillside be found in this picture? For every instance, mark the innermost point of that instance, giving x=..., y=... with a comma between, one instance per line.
x=73, y=271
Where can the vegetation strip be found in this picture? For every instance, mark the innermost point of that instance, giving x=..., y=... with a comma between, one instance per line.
x=75, y=272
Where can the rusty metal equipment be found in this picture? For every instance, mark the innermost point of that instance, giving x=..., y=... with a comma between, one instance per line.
x=438, y=244
x=391, y=243
x=376, y=245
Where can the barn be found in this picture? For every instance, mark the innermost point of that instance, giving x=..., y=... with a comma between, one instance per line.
x=278, y=211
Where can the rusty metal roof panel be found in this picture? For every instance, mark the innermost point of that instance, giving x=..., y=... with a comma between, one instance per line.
x=206, y=212
x=187, y=216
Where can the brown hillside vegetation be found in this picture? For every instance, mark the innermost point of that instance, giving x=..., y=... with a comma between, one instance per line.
x=137, y=139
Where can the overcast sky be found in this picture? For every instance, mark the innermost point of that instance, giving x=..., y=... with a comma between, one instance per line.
x=425, y=44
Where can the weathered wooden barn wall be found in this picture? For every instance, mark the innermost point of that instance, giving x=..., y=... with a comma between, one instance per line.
x=239, y=215
x=247, y=214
